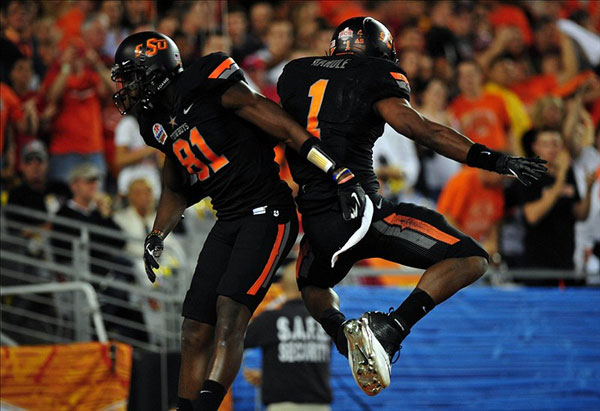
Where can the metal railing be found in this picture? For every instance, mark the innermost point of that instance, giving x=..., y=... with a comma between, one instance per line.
x=93, y=308
x=134, y=311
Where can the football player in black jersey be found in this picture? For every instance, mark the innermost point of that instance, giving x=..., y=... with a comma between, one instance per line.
x=214, y=130
x=344, y=100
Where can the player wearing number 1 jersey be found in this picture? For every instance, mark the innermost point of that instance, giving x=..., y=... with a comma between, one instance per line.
x=217, y=135
x=344, y=100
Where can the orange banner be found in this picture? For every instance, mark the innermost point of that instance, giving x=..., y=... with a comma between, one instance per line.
x=82, y=376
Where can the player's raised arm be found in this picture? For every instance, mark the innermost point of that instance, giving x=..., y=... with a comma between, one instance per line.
x=452, y=144
x=271, y=118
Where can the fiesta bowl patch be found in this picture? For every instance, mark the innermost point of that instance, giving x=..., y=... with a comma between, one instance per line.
x=159, y=133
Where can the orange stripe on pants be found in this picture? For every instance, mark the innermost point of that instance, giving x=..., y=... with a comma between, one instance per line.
x=272, y=257
x=421, y=227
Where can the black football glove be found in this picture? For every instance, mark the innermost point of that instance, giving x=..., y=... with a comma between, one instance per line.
x=153, y=248
x=526, y=170
x=350, y=193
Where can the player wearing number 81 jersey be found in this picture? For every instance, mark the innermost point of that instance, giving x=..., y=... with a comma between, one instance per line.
x=213, y=130
x=344, y=100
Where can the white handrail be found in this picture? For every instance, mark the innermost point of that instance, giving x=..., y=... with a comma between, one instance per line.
x=6, y=340
x=86, y=288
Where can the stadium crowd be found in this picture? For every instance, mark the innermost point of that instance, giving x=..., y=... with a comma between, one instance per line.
x=517, y=76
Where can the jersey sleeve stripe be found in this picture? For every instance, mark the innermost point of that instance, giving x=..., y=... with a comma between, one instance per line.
x=399, y=76
x=275, y=252
x=421, y=227
x=225, y=69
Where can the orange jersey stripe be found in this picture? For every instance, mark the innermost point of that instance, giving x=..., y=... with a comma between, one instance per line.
x=221, y=68
x=421, y=227
x=274, y=251
x=399, y=76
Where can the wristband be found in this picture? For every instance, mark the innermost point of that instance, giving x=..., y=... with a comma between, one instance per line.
x=342, y=175
x=482, y=157
x=312, y=151
x=158, y=233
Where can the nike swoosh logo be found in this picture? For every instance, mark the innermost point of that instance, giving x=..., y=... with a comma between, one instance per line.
x=399, y=324
x=378, y=205
x=354, y=212
x=185, y=110
x=204, y=391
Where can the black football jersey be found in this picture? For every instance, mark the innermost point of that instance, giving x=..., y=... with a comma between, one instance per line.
x=226, y=157
x=333, y=98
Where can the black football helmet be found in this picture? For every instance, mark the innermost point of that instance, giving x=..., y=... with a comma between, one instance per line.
x=145, y=64
x=363, y=36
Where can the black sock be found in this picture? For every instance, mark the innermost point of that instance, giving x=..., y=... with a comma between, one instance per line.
x=183, y=404
x=211, y=396
x=415, y=307
x=331, y=321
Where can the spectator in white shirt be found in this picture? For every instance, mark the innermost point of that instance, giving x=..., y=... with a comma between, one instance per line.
x=134, y=158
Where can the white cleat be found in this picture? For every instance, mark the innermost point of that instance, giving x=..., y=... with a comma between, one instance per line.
x=369, y=362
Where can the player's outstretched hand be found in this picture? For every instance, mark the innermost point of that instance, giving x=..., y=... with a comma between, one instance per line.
x=350, y=193
x=153, y=248
x=526, y=170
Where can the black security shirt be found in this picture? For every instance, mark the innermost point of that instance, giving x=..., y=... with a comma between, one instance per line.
x=296, y=355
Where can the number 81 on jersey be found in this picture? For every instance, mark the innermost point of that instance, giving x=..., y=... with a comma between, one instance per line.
x=194, y=165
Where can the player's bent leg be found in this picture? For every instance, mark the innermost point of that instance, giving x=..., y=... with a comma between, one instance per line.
x=316, y=278
x=444, y=279
x=324, y=306
x=419, y=237
x=196, y=350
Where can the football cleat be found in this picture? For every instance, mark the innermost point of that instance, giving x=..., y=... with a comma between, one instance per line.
x=388, y=331
x=369, y=361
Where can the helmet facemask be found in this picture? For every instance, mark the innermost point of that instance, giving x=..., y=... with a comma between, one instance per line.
x=136, y=84
x=128, y=79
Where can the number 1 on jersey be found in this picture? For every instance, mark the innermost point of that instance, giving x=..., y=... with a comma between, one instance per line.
x=316, y=93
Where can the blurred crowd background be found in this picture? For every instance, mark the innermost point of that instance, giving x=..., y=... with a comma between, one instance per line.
x=517, y=76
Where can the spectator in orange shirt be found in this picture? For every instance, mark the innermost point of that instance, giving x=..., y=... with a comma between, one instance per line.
x=480, y=115
x=14, y=118
x=75, y=85
x=473, y=201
